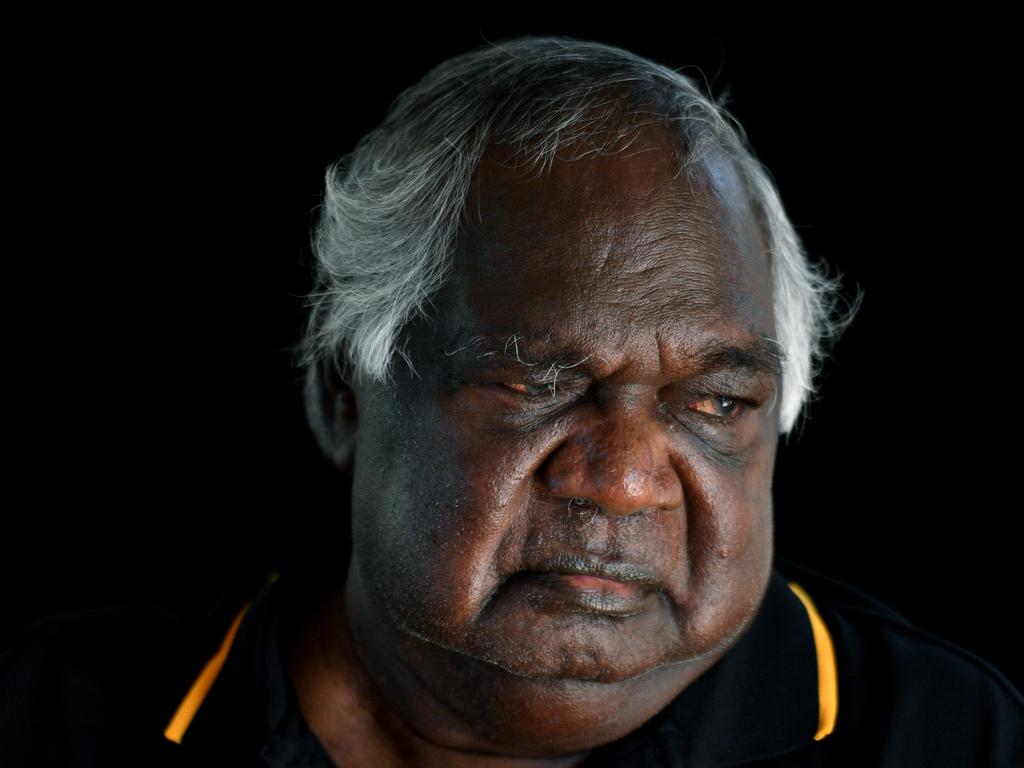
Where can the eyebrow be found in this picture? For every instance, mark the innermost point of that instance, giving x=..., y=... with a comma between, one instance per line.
x=757, y=355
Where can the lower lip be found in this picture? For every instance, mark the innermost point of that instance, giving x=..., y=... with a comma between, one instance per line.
x=578, y=581
x=578, y=593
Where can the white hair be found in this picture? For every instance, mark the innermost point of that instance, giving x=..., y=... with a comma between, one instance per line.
x=392, y=207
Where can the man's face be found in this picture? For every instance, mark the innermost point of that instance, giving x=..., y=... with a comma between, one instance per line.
x=604, y=335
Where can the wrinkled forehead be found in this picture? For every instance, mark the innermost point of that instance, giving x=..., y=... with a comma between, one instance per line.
x=603, y=239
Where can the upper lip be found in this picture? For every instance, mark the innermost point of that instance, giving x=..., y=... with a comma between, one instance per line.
x=592, y=565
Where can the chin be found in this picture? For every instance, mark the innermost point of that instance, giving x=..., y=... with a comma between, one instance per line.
x=549, y=689
x=537, y=636
x=579, y=648
x=548, y=716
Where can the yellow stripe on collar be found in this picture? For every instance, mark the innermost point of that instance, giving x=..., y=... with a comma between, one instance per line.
x=828, y=677
x=188, y=707
x=176, y=728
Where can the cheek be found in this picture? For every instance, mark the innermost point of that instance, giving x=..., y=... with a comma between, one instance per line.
x=756, y=485
x=729, y=518
x=429, y=516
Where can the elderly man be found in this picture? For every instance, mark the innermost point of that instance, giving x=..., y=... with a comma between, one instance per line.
x=561, y=506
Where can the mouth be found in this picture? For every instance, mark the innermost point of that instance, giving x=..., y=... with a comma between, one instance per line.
x=588, y=585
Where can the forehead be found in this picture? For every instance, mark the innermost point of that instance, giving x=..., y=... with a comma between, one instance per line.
x=620, y=247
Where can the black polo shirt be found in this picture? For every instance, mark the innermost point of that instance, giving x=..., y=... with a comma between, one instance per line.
x=825, y=675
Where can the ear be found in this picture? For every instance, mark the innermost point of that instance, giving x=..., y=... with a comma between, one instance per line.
x=331, y=411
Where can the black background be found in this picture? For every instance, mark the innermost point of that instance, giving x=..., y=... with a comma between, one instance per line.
x=167, y=181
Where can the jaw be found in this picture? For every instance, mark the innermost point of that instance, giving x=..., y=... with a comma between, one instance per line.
x=497, y=698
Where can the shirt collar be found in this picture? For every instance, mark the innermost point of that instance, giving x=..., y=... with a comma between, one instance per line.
x=251, y=707
x=761, y=699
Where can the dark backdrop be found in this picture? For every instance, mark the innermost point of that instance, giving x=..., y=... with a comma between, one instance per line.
x=159, y=441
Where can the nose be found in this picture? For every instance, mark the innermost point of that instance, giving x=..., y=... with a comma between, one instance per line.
x=622, y=464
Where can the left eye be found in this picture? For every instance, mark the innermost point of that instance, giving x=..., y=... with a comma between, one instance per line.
x=718, y=406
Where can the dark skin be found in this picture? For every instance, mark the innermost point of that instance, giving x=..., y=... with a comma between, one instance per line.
x=453, y=640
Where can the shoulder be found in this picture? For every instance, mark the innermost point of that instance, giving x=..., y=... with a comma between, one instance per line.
x=867, y=619
x=75, y=682
x=69, y=649
x=913, y=692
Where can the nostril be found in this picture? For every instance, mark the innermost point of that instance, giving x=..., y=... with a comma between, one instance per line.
x=581, y=504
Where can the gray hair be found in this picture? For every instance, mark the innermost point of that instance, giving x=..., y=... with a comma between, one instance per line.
x=392, y=207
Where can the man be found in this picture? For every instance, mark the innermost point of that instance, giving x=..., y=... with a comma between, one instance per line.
x=561, y=510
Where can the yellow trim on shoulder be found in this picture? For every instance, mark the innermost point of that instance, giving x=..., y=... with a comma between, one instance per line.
x=828, y=676
x=176, y=728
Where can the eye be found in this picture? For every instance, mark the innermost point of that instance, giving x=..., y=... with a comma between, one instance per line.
x=718, y=407
x=526, y=389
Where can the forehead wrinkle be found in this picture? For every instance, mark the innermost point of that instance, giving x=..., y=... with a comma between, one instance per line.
x=644, y=286
x=646, y=251
x=695, y=212
x=668, y=284
x=707, y=271
x=675, y=220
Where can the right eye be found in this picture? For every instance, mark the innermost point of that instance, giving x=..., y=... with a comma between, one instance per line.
x=525, y=389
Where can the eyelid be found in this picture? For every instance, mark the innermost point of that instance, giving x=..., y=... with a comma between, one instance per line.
x=561, y=383
x=507, y=386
